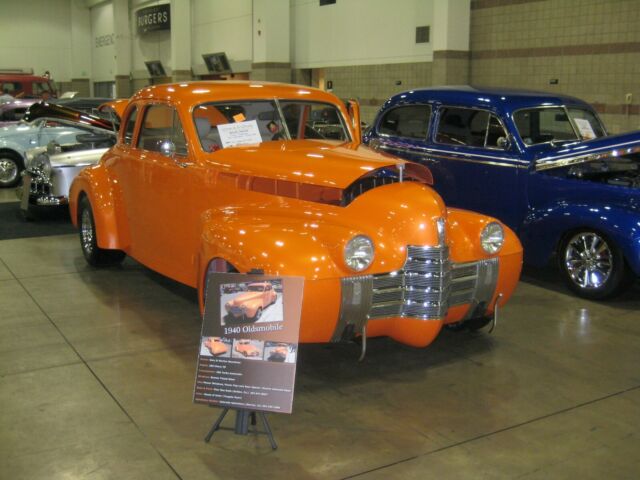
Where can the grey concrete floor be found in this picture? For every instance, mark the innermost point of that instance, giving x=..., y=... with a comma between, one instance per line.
x=97, y=371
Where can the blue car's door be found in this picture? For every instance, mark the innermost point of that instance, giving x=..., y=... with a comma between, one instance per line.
x=485, y=171
x=473, y=161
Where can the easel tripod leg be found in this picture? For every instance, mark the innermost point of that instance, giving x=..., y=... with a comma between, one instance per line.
x=216, y=425
x=272, y=441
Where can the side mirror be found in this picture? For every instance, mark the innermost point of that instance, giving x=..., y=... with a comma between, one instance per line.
x=354, y=112
x=167, y=148
x=503, y=143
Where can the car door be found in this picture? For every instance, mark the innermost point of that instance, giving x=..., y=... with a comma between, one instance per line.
x=483, y=169
x=169, y=185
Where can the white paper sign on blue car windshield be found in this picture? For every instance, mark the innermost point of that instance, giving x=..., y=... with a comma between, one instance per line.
x=586, y=131
x=239, y=133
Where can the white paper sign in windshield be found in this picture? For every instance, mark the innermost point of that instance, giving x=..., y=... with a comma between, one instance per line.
x=240, y=133
x=585, y=129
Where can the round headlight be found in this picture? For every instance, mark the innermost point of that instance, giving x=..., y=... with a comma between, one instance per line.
x=492, y=237
x=358, y=253
x=41, y=164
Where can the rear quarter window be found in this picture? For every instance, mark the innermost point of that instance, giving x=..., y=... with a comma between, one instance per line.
x=411, y=121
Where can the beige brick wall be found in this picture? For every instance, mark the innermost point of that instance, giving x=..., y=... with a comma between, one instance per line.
x=592, y=47
x=373, y=84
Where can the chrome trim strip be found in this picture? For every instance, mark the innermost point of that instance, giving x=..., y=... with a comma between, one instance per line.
x=469, y=158
x=563, y=161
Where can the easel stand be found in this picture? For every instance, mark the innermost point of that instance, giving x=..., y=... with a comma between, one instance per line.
x=242, y=424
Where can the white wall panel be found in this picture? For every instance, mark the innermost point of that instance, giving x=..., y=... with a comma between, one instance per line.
x=358, y=32
x=36, y=34
x=221, y=26
x=103, y=48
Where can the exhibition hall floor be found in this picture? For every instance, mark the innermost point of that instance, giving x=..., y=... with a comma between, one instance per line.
x=97, y=370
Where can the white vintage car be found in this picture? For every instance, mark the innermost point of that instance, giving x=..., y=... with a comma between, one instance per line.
x=51, y=169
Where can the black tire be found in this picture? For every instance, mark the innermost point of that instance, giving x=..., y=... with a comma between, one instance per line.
x=258, y=314
x=10, y=168
x=94, y=255
x=593, y=266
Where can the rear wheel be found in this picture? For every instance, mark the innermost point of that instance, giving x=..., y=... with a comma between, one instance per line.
x=93, y=254
x=10, y=166
x=592, y=265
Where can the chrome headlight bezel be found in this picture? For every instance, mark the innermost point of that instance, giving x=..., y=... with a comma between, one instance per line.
x=492, y=238
x=359, y=253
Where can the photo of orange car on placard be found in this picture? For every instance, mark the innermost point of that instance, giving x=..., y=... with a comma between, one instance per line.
x=245, y=348
x=280, y=352
x=248, y=302
x=214, y=346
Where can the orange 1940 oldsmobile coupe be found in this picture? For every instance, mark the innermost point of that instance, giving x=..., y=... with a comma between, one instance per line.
x=241, y=176
x=251, y=303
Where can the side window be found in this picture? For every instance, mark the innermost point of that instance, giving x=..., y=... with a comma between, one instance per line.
x=161, y=123
x=471, y=127
x=410, y=122
x=130, y=126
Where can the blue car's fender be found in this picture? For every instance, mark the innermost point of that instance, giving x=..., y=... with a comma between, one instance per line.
x=544, y=229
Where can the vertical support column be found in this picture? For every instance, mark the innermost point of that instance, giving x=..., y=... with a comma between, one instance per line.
x=122, y=31
x=81, y=42
x=181, y=40
x=451, y=60
x=271, y=44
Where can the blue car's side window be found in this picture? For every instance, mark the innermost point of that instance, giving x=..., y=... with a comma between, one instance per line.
x=410, y=121
x=470, y=127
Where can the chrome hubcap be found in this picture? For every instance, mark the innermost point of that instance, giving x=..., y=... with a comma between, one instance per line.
x=588, y=260
x=86, y=232
x=8, y=170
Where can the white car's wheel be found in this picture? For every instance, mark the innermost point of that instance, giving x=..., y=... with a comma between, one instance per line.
x=10, y=166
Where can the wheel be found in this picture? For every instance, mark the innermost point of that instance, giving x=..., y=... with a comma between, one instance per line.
x=10, y=167
x=94, y=255
x=258, y=314
x=593, y=266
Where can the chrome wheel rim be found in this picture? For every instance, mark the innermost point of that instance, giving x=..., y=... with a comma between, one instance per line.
x=8, y=170
x=86, y=232
x=588, y=260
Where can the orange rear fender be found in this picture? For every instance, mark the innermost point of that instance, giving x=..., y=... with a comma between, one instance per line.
x=94, y=183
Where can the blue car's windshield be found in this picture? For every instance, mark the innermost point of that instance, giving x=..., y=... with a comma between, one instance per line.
x=557, y=124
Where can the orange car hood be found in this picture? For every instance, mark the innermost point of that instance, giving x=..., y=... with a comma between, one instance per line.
x=318, y=162
x=245, y=297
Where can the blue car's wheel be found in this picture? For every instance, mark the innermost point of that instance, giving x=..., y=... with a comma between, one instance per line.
x=592, y=265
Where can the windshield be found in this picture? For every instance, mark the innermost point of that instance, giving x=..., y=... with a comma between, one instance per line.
x=256, y=288
x=247, y=122
x=557, y=124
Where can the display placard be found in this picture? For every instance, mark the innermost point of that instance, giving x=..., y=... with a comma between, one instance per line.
x=249, y=342
x=239, y=133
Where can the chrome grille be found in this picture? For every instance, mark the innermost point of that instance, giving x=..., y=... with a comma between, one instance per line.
x=419, y=290
x=429, y=284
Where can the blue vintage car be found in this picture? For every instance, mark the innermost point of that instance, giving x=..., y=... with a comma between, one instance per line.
x=542, y=163
x=37, y=129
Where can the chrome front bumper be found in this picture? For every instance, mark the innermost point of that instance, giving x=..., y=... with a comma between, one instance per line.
x=425, y=288
x=40, y=191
